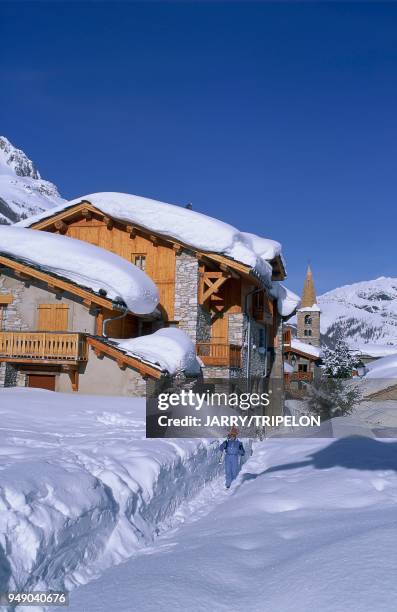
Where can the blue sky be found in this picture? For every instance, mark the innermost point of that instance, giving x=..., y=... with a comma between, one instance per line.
x=278, y=118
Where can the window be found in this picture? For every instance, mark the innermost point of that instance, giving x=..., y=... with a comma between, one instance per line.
x=308, y=332
x=139, y=260
x=308, y=320
x=302, y=367
x=262, y=338
x=5, y=299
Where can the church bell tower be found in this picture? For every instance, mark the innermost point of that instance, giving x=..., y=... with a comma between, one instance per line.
x=308, y=315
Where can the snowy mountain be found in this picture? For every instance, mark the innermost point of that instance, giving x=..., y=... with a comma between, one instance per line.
x=364, y=313
x=22, y=190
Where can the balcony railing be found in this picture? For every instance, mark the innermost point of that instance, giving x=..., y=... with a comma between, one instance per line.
x=42, y=346
x=216, y=354
x=298, y=376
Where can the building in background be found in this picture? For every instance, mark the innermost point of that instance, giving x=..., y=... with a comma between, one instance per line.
x=302, y=345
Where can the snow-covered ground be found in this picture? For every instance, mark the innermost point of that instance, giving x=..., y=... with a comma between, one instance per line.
x=80, y=486
x=309, y=524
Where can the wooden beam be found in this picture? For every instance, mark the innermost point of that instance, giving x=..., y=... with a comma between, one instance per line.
x=61, y=226
x=56, y=282
x=130, y=229
x=108, y=222
x=119, y=356
x=122, y=365
x=177, y=247
x=87, y=213
x=22, y=276
x=214, y=287
x=6, y=299
x=74, y=378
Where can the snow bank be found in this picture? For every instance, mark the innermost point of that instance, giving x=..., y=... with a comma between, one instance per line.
x=170, y=348
x=287, y=301
x=85, y=264
x=190, y=227
x=385, y=367
x=309, y=525
x=81, y=488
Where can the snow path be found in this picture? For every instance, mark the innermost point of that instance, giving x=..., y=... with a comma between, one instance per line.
x=308, y=525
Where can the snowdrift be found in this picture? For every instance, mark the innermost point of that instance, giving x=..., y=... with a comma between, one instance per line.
x=81, y=488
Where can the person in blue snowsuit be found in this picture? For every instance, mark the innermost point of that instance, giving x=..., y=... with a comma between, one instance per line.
x=233, y=449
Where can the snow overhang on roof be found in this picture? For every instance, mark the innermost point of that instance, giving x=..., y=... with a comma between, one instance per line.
x=84, y=264
x=201, y=232
x=287, y=301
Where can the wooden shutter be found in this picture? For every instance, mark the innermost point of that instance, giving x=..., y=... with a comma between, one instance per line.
x=52, y=317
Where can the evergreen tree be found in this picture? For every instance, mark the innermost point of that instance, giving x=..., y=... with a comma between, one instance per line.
x=332, y=397
x=338, y=362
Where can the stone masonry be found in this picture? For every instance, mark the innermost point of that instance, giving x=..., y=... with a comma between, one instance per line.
x=186, y=291
x=308, y=321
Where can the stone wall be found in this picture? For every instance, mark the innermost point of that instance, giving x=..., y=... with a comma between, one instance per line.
x=12, y=316
x=236, y=328
x=314, y=339
x=203, y=333
x=186, y=292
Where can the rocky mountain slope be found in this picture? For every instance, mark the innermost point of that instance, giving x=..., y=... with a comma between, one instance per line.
x=364, y=313
x=22, y=190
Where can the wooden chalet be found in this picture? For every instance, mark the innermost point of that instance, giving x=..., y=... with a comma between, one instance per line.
x=206, y=294
x=302, y=358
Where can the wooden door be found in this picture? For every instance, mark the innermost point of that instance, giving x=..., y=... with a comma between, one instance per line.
x=42, y=381
x=220, y=330
x=52, y=317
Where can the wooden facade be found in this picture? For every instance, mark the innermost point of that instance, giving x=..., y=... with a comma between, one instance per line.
x=155, y=256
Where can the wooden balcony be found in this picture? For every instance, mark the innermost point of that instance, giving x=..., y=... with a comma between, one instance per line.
x=214, y=354
x=43, y=347
x=298, y=377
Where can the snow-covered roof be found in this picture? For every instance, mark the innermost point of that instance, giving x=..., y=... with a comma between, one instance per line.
x=309, y=349
x=188, y=226
x=288, y=369
x=287, y=301
x=385, y=367
x=314, y=308
x=85, y=264
x=169, y=348
x=376, y=350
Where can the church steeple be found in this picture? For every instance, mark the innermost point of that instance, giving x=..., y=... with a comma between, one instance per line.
x=308, y=315
x=309, y=292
